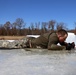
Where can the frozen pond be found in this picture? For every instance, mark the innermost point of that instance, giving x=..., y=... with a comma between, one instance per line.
x=37, y=62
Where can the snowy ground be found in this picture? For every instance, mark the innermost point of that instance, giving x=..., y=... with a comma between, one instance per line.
x=37, y=62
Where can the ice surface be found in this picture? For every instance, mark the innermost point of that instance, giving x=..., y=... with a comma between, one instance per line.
x=37, y=62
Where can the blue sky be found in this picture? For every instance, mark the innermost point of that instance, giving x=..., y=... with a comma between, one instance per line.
x=38, y=11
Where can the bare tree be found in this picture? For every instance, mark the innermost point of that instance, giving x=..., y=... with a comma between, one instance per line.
x=75, y=25
x=61, y=26
x=1, y=29
x=13, y=30
x=75, y=28
x=44, y=27
x=51, y=24
x=19, y=24
x=32, y=28
x=7, y=27
x=37, y=25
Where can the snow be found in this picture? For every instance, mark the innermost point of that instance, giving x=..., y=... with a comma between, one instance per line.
x=71, y=38
x=36, y=36
x=10, y=40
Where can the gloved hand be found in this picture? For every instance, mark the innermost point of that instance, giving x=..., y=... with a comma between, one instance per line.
x=70, y=46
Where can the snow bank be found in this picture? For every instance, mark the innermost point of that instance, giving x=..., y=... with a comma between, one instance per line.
x=36, y=36
x=10, y=40
x=71, y=38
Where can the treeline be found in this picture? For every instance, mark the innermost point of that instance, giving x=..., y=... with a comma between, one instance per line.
x=19, y=28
